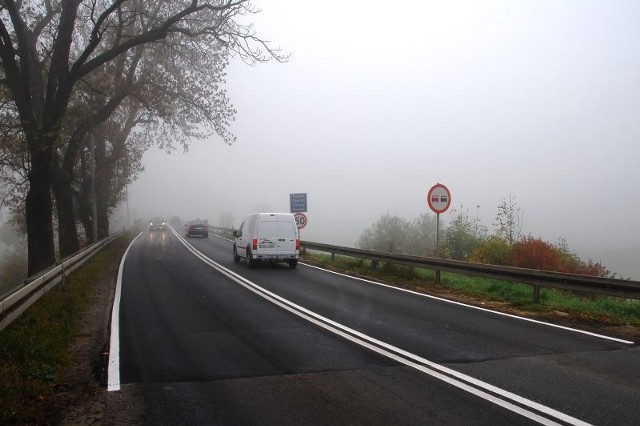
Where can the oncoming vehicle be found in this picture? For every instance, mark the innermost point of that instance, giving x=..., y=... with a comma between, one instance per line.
x=157, y=224
x=267, y=237
x=197, y=227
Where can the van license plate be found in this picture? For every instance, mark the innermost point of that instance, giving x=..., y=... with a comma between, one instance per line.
x=271, y=245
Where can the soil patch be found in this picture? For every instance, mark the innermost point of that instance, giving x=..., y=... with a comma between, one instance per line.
x=83, y=396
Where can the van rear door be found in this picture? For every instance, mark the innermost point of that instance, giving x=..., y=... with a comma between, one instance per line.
x=287, y=235
x=267, y=234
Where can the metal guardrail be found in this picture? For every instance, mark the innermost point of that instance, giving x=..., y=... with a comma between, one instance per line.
x=16, y=301
x=536, y=278
x=574, y=282
x=227, y=232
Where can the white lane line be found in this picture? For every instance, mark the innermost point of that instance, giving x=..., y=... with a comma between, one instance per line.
x=113, y=375
x=494, y=394
x=453, y=302
x=479, y=308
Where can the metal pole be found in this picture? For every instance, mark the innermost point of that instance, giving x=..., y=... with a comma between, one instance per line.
x=94, y=201
x=437, y=245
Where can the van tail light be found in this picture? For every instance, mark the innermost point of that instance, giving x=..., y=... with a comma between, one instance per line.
x=255, y=244
x=297, y=243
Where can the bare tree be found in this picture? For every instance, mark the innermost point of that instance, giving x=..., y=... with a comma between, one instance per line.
x=47, y=48
x=118, y=162
x=509, y=220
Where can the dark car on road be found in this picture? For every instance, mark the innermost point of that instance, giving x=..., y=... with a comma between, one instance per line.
x=157, y=224
x=197, y=227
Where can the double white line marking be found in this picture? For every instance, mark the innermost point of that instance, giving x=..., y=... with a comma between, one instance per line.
x=523, y=406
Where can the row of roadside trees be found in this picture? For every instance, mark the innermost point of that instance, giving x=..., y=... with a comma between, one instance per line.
x=465, y=238
x=87, y=86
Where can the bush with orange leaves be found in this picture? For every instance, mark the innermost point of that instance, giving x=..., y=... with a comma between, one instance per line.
x=533, y=253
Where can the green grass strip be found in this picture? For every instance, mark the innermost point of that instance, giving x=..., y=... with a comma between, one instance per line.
x=34, y=348
x=605, y=310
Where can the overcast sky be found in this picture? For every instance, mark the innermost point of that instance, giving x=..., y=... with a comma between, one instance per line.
x=381, y=100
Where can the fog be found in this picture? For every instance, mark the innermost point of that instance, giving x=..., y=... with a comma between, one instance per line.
x=379, y=101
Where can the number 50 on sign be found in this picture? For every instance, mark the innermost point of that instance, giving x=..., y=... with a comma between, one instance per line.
x=301, y=220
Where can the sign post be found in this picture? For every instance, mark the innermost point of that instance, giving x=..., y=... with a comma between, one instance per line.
x=298, y=205
x=439, y=200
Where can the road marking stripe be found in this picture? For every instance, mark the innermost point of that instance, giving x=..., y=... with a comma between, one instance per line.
x=113, y=375
x=453, y=302
x=462, y=381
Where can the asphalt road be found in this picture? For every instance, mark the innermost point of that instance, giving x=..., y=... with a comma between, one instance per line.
x=206, y=341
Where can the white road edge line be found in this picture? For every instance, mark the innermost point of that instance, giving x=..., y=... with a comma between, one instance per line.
x=113, y=375
x=548, y=324
x=453, y=302
x=437, y=371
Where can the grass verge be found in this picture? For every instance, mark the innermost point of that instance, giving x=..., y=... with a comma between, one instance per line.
x=596, y=313
x=34, y=349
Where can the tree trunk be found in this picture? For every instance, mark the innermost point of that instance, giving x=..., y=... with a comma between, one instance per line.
x=67, y=230
x=39, y=208
x=103, y=220
x=102, y=182
x=84, y=212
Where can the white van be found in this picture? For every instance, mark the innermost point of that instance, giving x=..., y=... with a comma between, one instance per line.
x=267, y=237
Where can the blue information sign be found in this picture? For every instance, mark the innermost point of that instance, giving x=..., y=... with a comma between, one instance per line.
x=298, y=202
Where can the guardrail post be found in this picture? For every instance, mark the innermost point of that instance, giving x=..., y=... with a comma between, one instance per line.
x=536, y=294
x=333, y=256
x=374, y=264
x=62, y=273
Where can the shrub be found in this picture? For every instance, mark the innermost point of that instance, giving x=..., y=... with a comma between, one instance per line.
x=572, y=264
x=494, y=251
x=533, y=253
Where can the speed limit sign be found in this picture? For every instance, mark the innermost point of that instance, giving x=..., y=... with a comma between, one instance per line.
x=301, y=220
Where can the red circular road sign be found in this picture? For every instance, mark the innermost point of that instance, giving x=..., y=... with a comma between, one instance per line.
x=301, y=220
x=439, y=198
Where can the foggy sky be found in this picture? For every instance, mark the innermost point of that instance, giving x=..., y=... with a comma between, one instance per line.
x=379, y=101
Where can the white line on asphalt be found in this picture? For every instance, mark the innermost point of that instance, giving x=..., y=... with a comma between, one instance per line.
x=462, y=381
x=453, y=302
x=113, y=374
x=575, y=330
